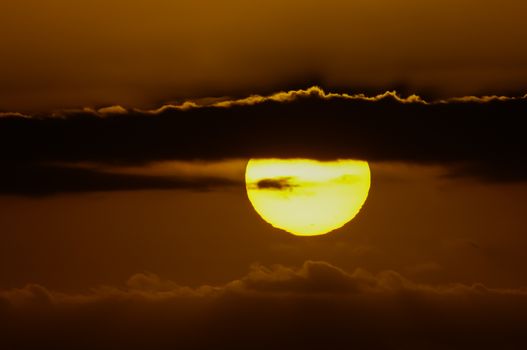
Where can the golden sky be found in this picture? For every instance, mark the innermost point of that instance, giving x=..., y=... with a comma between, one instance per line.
x=62, y=54
x=433, y=229
x=126, y=128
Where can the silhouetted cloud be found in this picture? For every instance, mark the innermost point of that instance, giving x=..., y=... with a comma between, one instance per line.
x=479, y=137
x=280, y=183
x=316, y=306
x=46, y=179
x=283, y=96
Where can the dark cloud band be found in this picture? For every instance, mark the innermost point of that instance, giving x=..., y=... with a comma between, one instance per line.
x=481, y=137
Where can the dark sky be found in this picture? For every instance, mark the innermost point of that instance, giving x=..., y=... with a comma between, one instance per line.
x=125, y=130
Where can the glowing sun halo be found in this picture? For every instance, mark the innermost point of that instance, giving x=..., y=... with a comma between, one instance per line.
x=307, y=197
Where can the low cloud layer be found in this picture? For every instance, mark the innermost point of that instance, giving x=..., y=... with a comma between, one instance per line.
x=480, y=137
x=315, y=306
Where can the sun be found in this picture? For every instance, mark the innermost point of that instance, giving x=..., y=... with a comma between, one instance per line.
x=307, y=197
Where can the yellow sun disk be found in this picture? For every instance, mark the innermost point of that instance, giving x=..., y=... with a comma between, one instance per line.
x=307, y=197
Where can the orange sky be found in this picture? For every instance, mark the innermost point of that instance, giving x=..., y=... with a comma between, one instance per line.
x=431, y=229
x=126, y=127
x=60, y=54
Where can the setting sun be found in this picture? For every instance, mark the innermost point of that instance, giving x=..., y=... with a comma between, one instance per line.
x=307, y=197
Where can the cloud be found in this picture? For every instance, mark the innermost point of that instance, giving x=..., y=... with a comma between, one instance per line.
x=313, y=278
x=280, y=183
x=315, y=91
x=281, y=97
x=14, y=115
x=290, y=96
x=480, y=137
x=316, y=306
x=48, y=179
